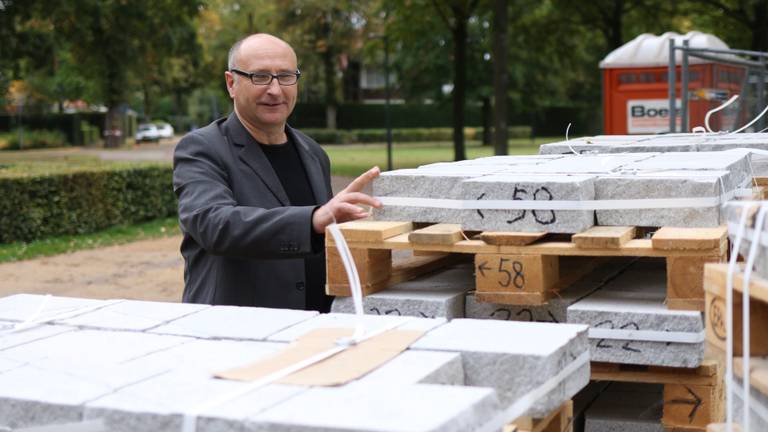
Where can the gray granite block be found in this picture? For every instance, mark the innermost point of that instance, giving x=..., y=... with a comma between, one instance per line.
x=636, y=408
x=662, y=185
x=20, y=307
x=528, y=188
x=370, y=323
x=417, y=367
x=134, y=315
x=590, y=164
x=10, y=339
x=555, y=310
x=635, y=300
x=408, y=408
x=439, y=294
x=515, y=357
x=233, y=322
x=735, y=162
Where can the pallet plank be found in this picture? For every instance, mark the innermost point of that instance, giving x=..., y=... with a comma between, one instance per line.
x=604, y=237
x=685, y=281
x=706, y=374
x=674, y=238
x=438, y=234
x=498, y=238
x=372, y=231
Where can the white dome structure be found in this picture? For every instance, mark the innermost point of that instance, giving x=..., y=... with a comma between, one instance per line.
x=648, y=50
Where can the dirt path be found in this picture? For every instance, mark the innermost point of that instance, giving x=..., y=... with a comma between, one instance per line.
x=144, y=270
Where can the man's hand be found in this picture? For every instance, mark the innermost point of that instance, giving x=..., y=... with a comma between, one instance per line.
x=343, y=207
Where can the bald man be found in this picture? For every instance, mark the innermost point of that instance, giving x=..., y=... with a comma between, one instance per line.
x=255, y=194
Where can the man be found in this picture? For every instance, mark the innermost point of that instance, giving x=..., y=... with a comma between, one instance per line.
x=255, y=194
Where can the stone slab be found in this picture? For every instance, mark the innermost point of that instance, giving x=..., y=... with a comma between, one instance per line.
x=514, y=357
x=12, y=339
x=370, y=323
x=408, y=408
x=539, y=187
x=736, y=162
x=437, y=295
x=20, y=307
x=629, y=408
x=635, y=300
x=417, y=367
x=134, y=315
x=233, y=322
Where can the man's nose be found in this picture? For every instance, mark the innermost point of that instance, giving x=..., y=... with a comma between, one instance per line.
x=274, y=87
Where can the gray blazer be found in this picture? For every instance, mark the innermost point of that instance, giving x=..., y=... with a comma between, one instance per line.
x=244, y=244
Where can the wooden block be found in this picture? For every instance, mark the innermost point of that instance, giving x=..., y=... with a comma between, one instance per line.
x=722, y=427
x=374, y=267
x=715, y=277
x=604, y=237
x=438, y=234
x=715, y=323
x=705, y=375
x=760, y=181
x=671, y=238
x=685, y=281
x=515, y=273
x=691, y=406
x=371, y=231
x=512, y=298
x=500, y=238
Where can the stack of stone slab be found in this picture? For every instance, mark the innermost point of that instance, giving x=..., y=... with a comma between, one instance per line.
x=626, y=407
x=142, y=365
x=694, y=185
x=682, y=142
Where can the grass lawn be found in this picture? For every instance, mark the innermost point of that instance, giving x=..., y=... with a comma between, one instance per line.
x=108, y=237
x=353, y=160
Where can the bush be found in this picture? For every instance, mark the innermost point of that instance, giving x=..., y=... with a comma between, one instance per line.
x=42, y=204
x=330, y=136
x=341, y=136
x=32, y=139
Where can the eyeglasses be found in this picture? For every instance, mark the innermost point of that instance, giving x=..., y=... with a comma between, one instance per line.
x=265, y=78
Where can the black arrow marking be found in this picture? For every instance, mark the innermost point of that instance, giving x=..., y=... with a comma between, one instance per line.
x=626, y=346
x=482, y=267
x=375, y=309
x=696, y=402
x=482, y=216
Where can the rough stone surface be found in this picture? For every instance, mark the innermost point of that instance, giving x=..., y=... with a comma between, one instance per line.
x=370, y=322
x=626, y=408
x=635, y=300
x=235, y=322
x=134, y=315
x=514, y=357
x=437, y=295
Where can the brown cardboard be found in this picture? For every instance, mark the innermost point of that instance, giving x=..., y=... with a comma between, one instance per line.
x=338, y=369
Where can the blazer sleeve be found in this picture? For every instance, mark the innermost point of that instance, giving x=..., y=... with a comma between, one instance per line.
x=209, y=213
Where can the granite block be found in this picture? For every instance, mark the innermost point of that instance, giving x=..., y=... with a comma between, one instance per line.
x=635, y=300
x=417, y=367
x=439, y=294
x=514, y=357
x=370, y=322
x=408, y=408
x=528, y=187
x=134, y=315
x=635, y=408
x=735, y=162
x=19, y=307
x=233, y=322
x=10, y=339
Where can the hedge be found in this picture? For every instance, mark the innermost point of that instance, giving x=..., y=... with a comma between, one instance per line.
x=46, y=201
x=32, y=139
x=341, y=136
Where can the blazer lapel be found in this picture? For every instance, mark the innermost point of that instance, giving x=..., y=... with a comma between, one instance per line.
x=253, y=156
x=312, y=166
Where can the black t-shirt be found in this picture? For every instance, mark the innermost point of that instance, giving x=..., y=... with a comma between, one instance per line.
x=290, y=170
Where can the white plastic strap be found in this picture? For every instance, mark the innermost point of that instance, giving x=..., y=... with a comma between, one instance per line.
x=660, y=203
x=523, y=404
x=646, y=335
x=760, y=409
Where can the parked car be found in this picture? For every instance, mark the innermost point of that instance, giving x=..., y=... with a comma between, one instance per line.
x=147, y=132
x=165, y=130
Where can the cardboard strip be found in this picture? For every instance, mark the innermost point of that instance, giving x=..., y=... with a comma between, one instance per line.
x=339, y=369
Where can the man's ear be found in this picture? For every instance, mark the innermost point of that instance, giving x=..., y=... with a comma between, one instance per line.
x=229, y=78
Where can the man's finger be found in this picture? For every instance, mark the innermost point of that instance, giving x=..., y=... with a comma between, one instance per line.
x=359, y=198
x=359, y=183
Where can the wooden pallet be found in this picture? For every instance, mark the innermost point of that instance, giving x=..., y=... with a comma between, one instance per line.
x=559, y=420
x=693, y=398
x=523, y=268
x=715, y=276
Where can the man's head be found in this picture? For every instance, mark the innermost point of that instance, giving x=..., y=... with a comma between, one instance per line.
x=263, y=107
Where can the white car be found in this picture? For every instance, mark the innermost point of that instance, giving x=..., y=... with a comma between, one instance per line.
x=165, y=130
x=147, y=132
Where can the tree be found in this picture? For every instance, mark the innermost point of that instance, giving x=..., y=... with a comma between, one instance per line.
x=741, y=23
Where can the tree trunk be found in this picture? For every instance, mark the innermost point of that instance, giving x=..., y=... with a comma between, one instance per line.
x=486, y=113
x=147, y=102
x=760, y=30
x=459, y=85
x=500, y=136
x=113, y=130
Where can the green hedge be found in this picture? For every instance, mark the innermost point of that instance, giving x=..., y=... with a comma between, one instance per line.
x=32, y=139
x=39, y=202
x=341, y=136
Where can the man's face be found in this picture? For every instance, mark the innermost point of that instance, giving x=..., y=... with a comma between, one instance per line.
x=266, y=107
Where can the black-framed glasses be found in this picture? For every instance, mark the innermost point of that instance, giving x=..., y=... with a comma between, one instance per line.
x=265, y=78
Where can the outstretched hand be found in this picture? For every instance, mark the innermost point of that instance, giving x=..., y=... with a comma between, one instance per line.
x=344, y=206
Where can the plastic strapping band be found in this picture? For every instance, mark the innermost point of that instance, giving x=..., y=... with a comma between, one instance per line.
x=524, y=403
x=756, y=406
x=647, y=335
x=660, y=203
